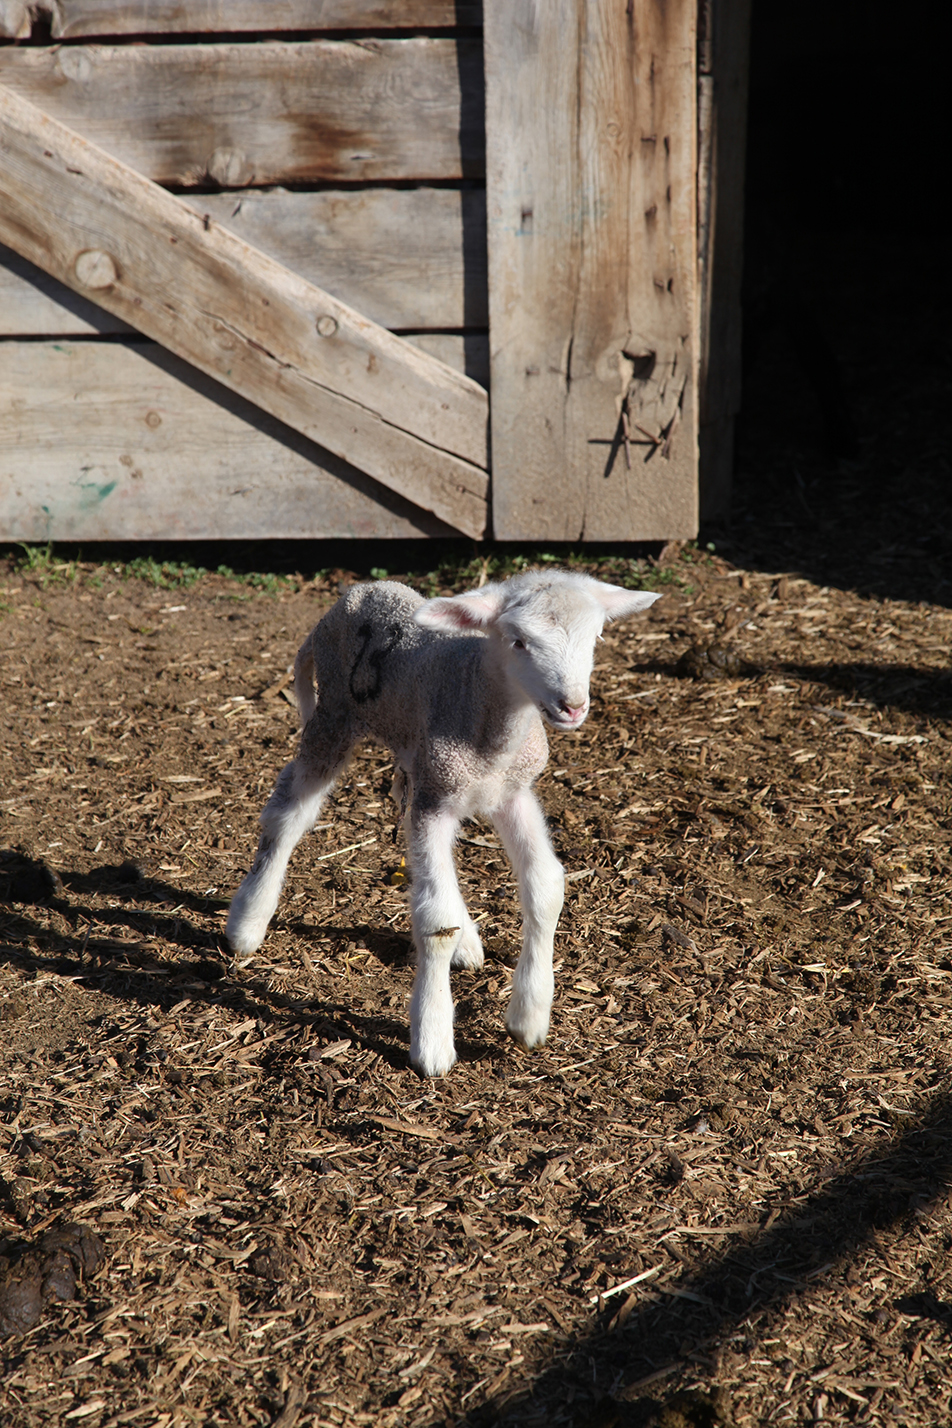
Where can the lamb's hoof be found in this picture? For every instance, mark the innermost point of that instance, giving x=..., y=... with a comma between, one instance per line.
x=469, y=953
x=433, y=1061
x=245, y=935
x=530, y=1029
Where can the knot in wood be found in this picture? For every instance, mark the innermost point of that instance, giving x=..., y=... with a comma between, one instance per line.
x=229, y=167
x=95, y=269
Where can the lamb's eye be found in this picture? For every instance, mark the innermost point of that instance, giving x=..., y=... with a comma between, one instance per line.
x=518, y=645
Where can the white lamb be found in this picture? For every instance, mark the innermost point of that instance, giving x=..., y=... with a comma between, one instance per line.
x=455, y=689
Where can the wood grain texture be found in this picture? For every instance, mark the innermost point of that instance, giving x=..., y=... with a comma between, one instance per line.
x=242, y=114
x=406, y=258
x=154, y=450
x=32, y=304
x=465, y=352
x=75, y=19
x=403, y=417
x=16, y=19
x=591, y=145
x=722, y=143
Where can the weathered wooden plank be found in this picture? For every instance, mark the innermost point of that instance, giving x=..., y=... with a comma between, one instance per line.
x=269, y=113
x=78, y=19
x=153, y=450
x=465, y=352
x=591, y=145
x=723, y=47
x=32, y=304
x=403, y=417
x=16, y=19
x=406, y=258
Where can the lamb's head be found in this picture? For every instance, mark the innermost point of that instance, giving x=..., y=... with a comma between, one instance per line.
x=547, y=623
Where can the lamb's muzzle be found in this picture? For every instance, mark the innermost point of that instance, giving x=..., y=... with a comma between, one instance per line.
x=454, y=687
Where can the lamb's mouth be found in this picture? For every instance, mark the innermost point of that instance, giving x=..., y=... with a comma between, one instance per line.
x=561, y=721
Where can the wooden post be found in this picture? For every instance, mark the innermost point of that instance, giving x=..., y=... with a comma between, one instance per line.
x=591, y=182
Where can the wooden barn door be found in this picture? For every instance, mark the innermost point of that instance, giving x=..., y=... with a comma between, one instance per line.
x=300, y=228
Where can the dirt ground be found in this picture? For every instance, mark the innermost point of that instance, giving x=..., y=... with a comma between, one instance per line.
x=720, y=1194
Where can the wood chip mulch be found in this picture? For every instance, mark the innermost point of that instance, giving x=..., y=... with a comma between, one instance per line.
x=720, y=1194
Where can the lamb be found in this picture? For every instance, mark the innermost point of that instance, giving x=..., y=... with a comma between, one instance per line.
x=457, y=688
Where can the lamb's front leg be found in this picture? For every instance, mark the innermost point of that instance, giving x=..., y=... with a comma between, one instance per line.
x=469, y=949
x=520, y=823
x=439, y=917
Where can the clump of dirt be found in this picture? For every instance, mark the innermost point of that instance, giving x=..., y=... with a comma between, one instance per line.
x=693, y=1410
x=50, y=1268
x=710, y=662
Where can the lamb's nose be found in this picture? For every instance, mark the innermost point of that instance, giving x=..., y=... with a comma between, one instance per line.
x=575, y=712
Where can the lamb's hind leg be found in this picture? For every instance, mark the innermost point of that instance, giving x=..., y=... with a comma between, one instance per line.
x=291, y=811
x=439, y=918
x=521, y=825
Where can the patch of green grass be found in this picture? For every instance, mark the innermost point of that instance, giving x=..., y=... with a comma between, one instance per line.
x=267, y=583
x=179, y=575
x=40, y=562
x=449, y=574
x=165, y=574
x=631, y=572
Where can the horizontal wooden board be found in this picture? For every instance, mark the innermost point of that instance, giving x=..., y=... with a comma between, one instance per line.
x=32, y=304
x=406, y=258
x=76, y=19
x=116, y=441
x=464, y=352
x=92, y=222
x=235, y=115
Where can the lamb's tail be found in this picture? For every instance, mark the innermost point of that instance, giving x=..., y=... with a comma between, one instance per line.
x=304, y=691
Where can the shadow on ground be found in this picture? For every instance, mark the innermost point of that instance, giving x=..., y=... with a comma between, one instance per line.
x=927, y=692
x=615, y=1376
x=95, y=957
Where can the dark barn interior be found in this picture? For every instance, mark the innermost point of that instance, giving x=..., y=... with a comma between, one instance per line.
x=843, y=441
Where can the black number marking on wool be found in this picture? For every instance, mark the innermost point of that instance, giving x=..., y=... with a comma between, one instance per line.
x=366, y=675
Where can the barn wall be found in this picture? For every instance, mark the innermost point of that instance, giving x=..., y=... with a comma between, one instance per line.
x=347, y=139
x=375, y=193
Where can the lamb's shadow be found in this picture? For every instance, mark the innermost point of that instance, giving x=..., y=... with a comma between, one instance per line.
x=128, y=880
x=129, y=978
x=608, y=1375
x=140, y=903
x=131, y=974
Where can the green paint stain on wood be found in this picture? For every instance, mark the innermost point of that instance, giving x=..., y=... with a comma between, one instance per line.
x=92, y=493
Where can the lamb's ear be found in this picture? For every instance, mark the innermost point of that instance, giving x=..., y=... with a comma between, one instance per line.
x=618, y=602
x=459, y=614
